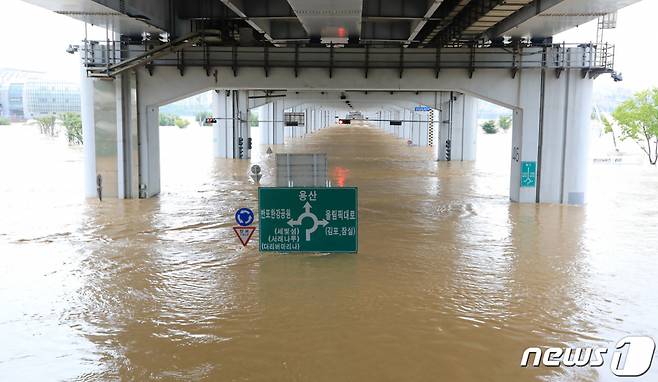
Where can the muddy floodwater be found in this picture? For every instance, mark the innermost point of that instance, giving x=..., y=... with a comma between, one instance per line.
x=452, y=281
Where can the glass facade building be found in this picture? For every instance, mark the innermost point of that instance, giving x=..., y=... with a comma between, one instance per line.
x=26, y=95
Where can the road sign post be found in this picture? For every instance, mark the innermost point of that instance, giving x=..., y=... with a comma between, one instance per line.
x=308, y=219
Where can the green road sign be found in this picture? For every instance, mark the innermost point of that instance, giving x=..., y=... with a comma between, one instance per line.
x=528, y=174
x=308, y=219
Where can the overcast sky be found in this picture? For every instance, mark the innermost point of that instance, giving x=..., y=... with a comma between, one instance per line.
x=32, y=38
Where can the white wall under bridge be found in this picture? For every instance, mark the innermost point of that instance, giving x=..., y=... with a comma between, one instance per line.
x=550, y=128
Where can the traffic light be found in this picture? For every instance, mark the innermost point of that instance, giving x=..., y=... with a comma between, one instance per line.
x=448, y=148
x=240, y=147
x=249, y=143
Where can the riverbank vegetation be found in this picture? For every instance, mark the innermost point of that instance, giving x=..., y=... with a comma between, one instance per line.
x=72, y=127
x=47, y=125
x=636, y=119
x=173, y=120
x=489, y=127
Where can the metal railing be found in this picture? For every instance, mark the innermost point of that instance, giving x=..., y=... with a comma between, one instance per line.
x=112, y=58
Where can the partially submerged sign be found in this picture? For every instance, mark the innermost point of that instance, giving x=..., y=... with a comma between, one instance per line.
x=528, y=174
x=256, y=173
x=244, y=217
x=307, y=219
x=244, y=234
x=301, y=170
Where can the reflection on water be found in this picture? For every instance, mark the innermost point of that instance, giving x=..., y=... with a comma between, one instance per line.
x=452, y=281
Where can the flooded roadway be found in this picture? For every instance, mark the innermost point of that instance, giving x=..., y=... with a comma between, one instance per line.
x=451, y=282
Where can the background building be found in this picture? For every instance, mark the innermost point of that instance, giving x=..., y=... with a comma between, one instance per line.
x=26, y=95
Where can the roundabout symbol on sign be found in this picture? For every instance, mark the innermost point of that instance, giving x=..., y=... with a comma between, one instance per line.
x=308, y=214
x=244, y=216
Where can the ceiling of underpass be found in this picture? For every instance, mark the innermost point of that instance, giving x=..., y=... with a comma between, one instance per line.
x=414, y=23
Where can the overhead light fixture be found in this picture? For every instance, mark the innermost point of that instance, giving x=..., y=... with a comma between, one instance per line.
x=337, y=42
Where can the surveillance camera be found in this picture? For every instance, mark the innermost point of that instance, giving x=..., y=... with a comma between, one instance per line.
x=617, y=77
x=72, y=49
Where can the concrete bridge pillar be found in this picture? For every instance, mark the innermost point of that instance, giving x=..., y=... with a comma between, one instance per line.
x=461, y=127
x=315, y=113
x=110, y=135
x=423, y=129
x=415, y=129
x=397, y=130
x=291, y=131
x=278, y=116
x=231, y=132
x=457, y=127
x=390, y=115
x=308, y=118
x=469, y=128
x=298, y=131
x=419, y=134
x=406, y=125
x=551, y=134
x=456, y=135
x=266, y=124
x=318, y=119
x=287, y=130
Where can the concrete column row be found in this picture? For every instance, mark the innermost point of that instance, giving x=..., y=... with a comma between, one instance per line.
x=414, y=125
x=457, y=127
x=549, y=156
x=272, y=121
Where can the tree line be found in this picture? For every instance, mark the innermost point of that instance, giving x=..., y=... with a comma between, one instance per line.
x=491, y=127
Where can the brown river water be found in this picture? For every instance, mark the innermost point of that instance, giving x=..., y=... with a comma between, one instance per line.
x=452, y=281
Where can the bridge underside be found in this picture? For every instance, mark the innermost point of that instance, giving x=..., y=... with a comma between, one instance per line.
x=323, y=58
x=550, y=126
x=278, y=23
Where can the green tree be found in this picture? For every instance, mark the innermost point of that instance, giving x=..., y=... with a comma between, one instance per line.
x=181, y=122
x=253, y=119
x=167, y=119
x=4, y=121
x=201, y=116
x=489, y=127
x=637, y=118
x=73, y=127
x=505, y=122
x=609, y=128
x=47, y=125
